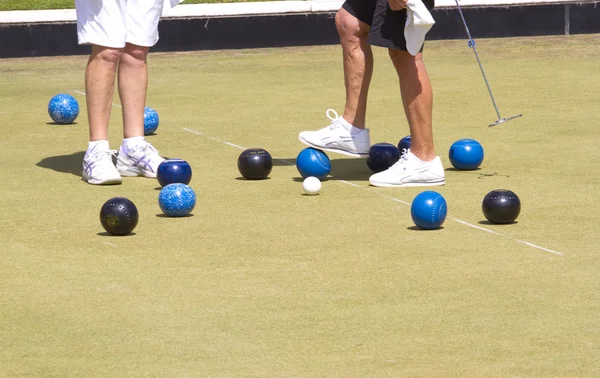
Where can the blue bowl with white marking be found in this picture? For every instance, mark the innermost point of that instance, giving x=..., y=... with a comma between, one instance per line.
x=63, y=109
x=151, y=121
x=177, y=200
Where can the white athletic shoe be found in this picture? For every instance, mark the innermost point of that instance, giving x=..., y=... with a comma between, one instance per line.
x=411, y=171
x=340, y=137
x=141, y=160
x=98, y=168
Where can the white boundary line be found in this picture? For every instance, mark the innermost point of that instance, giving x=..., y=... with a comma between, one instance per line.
x=390, y=197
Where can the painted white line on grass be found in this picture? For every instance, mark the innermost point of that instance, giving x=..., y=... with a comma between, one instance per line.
x=477, y=227
x=386, y=196
x=111, y=244
x=350, y=183
x=396, y=199
x=536, y=246
x=506, y=236
x=469, y=224
x=285, y=161
x=83, y=94
x=213, y=138
x=229, y=143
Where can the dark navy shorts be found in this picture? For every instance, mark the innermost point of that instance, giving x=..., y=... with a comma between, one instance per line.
x=387, y=26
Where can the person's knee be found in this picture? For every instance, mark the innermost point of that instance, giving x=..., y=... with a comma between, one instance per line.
x=401, y=58
x=401, y=55
x=134, y=55
x=349, y=27
x=109, y=55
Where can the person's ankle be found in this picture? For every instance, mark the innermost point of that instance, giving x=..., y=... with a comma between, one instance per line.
x=98, y=145
x=424, y=157
x=353, y=123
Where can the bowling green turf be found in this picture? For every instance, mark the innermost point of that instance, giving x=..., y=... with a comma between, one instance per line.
x=263, y=281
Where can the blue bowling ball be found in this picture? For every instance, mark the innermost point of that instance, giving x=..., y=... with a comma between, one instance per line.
x=313, y=162
x=63, y=109
x=466, y=154
x=404, y=144
x=382, y=156
x=151, y=121
x=428, y=210
x=172, y=171
x=177, y=200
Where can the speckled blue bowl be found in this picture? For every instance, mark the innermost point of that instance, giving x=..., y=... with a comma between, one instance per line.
x=151, y=121
x=63, y=109
x=177, y=200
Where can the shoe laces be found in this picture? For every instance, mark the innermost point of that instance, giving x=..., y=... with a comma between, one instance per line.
x=335, y=119
x=403, y=158
x=142, y=154
x=93, y=158
x=142, y=148
x=96, y=156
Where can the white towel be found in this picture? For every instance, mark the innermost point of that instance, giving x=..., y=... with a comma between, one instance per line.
x=418, y=23
x=169, y=4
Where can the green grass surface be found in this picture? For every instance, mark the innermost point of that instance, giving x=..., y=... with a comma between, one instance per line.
x=263, y=281
x=7, y=5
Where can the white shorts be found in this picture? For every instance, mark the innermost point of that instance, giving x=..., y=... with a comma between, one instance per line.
x=114, y=23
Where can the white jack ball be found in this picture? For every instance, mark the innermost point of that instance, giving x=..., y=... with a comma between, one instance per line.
x=311, y=186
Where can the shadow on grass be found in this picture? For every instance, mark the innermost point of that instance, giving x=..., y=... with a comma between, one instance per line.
x=64, y=163
x=241, y=178
x=277, y=162
x=115, y=236
x=488, y=223
x=61, y=124
x=166, y=216
x=463, y=170
x=415, y=228
x=352, y=169
x=476, y=172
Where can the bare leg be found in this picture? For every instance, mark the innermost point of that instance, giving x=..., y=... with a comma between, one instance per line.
x=417, y=98
x=358, y=65
x=133, y=84
x=99, y=88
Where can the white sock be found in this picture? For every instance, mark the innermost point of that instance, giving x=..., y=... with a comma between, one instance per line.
x=98, y=145
x=131, y=142
x=350, y=127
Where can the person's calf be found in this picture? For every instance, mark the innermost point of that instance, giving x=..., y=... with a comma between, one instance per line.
x=133, y=81
x=358, y=65
x=417, y=99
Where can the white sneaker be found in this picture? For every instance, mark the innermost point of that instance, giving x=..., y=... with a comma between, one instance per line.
x=98, y=168
x=411, y=171
x=141, y=160
x=339, y=137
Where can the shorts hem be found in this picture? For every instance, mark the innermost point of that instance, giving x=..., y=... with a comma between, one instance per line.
x=390, y=45
x=98, y=42
x=355, y=12
x=142, y=42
